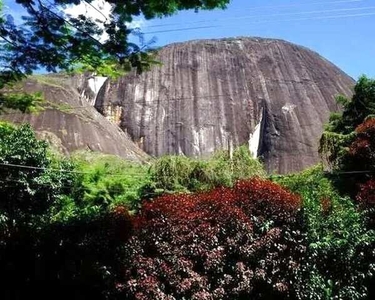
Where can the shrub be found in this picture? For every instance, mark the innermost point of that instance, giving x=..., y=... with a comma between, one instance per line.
x=182, y=174
x=30, y=178
x=53, y=243
x=358, y=162
x=362, y=150
x=229, y=243
x=108, y=181
x=348, y=142
x=356, y=109
x=366, y=195
x=75, y=259
x=339, y=254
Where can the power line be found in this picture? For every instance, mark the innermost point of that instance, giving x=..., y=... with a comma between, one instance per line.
x=268, y=21
x=268, y=15
x=299, y=4
x=242, y=9
x=138, y=175
x=9, y=165
x=113, y=188
x=350, y=172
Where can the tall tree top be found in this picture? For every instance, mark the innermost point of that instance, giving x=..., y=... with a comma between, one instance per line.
x=48, y=37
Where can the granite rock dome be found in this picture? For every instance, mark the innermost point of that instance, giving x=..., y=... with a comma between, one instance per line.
x=210, y=94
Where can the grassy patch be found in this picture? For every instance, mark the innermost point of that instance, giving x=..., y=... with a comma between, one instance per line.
x=108, y=180
x=171, y=174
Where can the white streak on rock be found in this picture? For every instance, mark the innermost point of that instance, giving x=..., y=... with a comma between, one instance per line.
x=254, y=139
x=288, y=108
x=96, y=82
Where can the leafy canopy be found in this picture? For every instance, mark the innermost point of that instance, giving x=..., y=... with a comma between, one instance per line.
x=340, y=132
x=50, y=38
x=356, y=109
x=30, y=178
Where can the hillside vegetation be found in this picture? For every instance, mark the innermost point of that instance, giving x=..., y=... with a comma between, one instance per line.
x=94, y=226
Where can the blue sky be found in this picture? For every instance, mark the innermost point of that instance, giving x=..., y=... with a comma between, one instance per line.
x=340, y=30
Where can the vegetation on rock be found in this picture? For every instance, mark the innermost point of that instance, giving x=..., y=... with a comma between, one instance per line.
x=183, y=174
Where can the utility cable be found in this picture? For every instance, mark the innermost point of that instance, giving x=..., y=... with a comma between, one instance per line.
x=268, y=15
x=267, y=21
x=9, y=165
x=81, y=172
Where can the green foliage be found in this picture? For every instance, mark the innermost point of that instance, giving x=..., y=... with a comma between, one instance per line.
x=49, y=236
x=26, y=103
x=339, y=133
x=79, y=258
x=109, y=181
x=183, y=174
x=5, y=129
x=52, y=39
x=30, y=178
x=357, y=109
x=339, y=253
x=333, y=148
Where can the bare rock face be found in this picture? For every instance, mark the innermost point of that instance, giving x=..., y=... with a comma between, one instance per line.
x=209, y=94
x=69, y=122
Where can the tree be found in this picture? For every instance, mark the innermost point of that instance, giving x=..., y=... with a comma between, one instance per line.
x=30, y=178
x=50, y=38
x=355, y=110
x=54, y=40
x=341, y=130
x=29, y=186
x=52, y=243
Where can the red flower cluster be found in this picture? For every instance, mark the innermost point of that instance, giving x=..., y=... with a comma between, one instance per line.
x=224, y=244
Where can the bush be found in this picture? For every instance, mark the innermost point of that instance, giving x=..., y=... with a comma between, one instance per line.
x=30, y=178
x=53, y=243
x=81, y=258
x=347, y=145
x=366, y=195
x=182, y=174
x=358, y=162
x=108, y=181
x=362, y=150
x=356, y=109
x=229, y=243
x=75, y=259
x=339, y=254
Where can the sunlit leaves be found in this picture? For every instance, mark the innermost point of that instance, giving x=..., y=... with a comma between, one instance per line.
x=52, y=39
x=24, y=102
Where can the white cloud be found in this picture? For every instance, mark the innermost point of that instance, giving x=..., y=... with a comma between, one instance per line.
x=97, y=9
x=100, y=10
x=138, y=23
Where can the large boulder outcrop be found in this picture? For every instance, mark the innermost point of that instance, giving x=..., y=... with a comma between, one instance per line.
x=68, y=121
x=210, y=94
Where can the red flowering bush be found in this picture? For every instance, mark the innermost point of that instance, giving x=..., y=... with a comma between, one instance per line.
x=222, y=244
x=359, y=157
x=362, y=150
x=366, y=195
